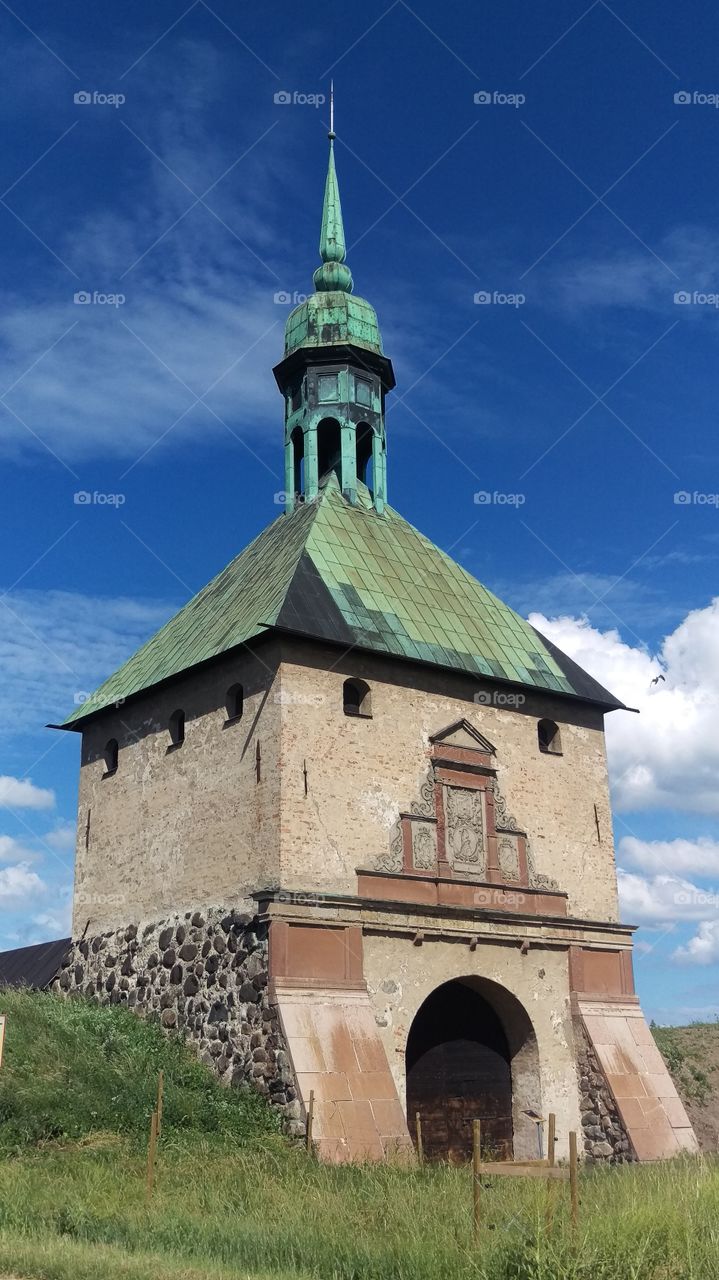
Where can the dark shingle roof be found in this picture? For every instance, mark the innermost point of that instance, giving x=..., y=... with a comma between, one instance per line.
x=33, y=966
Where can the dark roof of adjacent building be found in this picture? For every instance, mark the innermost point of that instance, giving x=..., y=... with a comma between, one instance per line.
x=339, y=572
x=33, y=966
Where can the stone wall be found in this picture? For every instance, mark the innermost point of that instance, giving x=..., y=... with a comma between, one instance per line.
x=205, y=975
x=175, y=828
x=299, y=794
x=346, y=779
x=605, y=1138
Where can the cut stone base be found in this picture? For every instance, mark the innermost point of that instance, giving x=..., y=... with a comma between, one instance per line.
x=333, y=1043
x=647, y=1101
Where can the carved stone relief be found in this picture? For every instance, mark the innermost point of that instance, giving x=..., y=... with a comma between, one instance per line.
x=424, y=846
x=508, y=858
x=464, y=815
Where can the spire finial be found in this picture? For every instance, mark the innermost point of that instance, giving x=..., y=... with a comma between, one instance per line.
x=333, y=275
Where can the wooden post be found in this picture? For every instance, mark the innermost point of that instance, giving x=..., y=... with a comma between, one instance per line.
x=310, y=1120
x=420, y=1148
x=551, y=1197
x=573, y=1180
x=2, y=1035
x=551, y=1138
x=152, y=1147
x=160, y=1090
x=476, y=1175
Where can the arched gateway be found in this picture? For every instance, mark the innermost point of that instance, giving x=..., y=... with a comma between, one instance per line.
x=472, y=1055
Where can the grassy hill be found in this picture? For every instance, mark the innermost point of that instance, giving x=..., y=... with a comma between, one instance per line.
x=234, y=1199
x=692, y=1056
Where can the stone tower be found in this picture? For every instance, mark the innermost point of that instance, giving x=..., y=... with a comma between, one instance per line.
x=345, y=817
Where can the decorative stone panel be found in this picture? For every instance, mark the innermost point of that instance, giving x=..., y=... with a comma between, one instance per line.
x=204, y=973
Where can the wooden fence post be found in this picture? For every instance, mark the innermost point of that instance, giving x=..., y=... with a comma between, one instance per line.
x=476, y=1175
x=420, y=1147
x=551, y=1138
x=310, y=1120
x=160, y=1091
x=151, y=1150
x=551, y=1197
x=573, y=1180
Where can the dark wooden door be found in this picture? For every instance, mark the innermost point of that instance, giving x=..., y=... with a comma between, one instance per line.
x=458, y=1071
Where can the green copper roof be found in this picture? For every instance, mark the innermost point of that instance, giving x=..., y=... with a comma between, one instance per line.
x=342, y=573
x=333, y=319
x=332, y=316
x=332, y=275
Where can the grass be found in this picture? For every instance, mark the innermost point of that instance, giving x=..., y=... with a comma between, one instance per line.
x=73, y=1069
x=688, y=1052
x=233, y=1199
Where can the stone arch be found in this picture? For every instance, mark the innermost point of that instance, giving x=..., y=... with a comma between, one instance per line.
x=472, y=1054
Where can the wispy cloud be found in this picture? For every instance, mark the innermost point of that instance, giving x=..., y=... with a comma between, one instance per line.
x=629, y=278
x=57, y=646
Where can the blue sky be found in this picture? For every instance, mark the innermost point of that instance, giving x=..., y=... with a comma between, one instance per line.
x=581, y=189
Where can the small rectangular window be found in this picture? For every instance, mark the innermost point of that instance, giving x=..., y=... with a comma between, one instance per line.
x=363, y=392
x=327, y=387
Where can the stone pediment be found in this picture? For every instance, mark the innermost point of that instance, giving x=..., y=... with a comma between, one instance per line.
x=463, y=734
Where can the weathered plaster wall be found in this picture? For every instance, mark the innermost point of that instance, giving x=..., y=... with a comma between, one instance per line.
x=362, y=772
x=401, y=975
x=185, y=827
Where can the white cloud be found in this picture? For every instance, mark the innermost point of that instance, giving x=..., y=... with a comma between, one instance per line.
x=703, y=948
x=21, y=793
x=668, y=756
x=689, y=857
x=12, y=850
x=663, y=898
x=48, y=925
x=19, y=885
x=62, y=837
